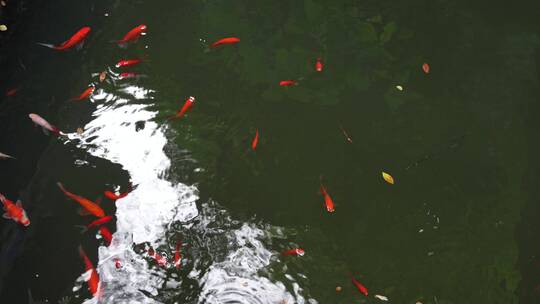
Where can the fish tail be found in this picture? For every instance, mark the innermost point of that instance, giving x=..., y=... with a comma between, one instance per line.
x=82, y=228
x=51, y=46
x=61, y=187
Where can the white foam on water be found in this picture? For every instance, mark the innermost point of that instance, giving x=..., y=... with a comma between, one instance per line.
x=146, y=213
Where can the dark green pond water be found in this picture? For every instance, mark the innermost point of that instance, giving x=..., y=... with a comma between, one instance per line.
x=459, y=225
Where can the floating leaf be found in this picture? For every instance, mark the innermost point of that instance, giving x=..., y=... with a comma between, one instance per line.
x=3, y=27
x=399, y=87
x=425, y=67
x=382, y=298
x=388, y=178
x=3, y=3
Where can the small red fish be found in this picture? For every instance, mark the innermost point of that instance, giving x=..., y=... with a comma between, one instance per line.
x=187, y=105
x=15, y=211
x=318, y=65
x=106, y=234
x=287, y=83
x=161, y=260
x=132, y=35
x=425, y=67
x=294, y=251
x=90, y=206
x=96, y=223
x=255, y=140
x=76, y=39
x=85, y=94
x=117, y=263
x=127, y=75
x=112, y=196
x=327, y=199
x=12, y=92
x=127, y=62
x=229, y=40
x=93, y=281
x=360, y=287
x=177, y=256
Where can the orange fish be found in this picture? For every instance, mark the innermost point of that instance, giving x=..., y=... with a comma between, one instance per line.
x=229, y=40
x=85, y=94
x=127, y=62
x=255, y=140
x=287, y=83
x=295, y=252
x=327, y=199
x=177, y=256
x=117, y=263
x=90, y=206
x=132, y=35
x=98, y=222
x=114, y=197
x=318, y=65
x=425, y=67
x=187, y=105
x=12, y=92
x=127, y=75
x=93, y=281
x=76, y=40
x=106, y=234
x=15, y=211
x=359, y=286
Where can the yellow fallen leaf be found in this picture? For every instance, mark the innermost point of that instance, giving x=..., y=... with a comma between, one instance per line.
x=388, y=178
x=3, y=27
x=399, y=87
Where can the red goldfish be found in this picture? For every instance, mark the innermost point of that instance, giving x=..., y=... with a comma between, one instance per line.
x=177, y=256
x=75, y=40
x=14, y=211
x=127, y=62
x=117, y=263
x=187, y=105
x=132, y=35
x=90, y=206
x=295, y=252
x=255, y=140
x=425, y=67
x=161, y=260
x=127, y=75
x=45, y=125
x=106, y=234
x=113, y=196
x=229, y=40
x=327, y=199
x=12, y=92
x=85, y=94
x=287, y=83
x=318, y=65
x=93, y=281
x=359, y=286
x=98, y=222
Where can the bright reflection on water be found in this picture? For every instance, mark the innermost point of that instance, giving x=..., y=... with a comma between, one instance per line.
x=223, y=257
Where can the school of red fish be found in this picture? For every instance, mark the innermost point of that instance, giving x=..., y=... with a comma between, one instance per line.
x=15, y=211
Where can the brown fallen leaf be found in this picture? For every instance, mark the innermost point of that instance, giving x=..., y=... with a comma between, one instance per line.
x=3, y=3
x=338, y=288
x=80, y=131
